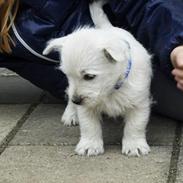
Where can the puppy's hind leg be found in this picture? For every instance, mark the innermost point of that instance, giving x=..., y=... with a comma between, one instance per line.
x=91, y=142
x=70, y=118
x=134, y=139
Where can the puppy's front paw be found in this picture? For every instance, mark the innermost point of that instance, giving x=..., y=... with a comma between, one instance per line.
x=135, y=147
x=89, y=147
x=69, y=119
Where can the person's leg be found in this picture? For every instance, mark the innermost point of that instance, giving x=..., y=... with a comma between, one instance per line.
x=169, y=99
x=45, y=76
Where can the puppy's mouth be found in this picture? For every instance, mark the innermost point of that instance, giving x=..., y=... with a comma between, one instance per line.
x=84, y=101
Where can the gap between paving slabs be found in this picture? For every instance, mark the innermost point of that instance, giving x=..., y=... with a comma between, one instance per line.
x=19, y=124
x=175, y=154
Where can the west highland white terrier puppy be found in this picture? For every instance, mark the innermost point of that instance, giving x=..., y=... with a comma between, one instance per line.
x=108, y=72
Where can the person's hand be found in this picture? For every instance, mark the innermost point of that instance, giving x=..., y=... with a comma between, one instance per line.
x=177, y=61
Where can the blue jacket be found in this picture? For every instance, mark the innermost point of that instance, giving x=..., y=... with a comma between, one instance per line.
x=157, y=24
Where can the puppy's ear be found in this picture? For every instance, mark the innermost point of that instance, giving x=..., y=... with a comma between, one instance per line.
x=117, y=52
x=54, y=44
x=111, y=57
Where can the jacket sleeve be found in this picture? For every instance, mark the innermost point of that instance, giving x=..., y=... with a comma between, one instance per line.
x=157, y=24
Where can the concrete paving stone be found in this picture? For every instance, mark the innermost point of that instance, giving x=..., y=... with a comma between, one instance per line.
x=181, y=143
x=15, y=90
x=6, y=72
x=44, y=127
x=161, y=130
x=2, y=70
x=10, y=114
x=50, y=164
x=180, y=168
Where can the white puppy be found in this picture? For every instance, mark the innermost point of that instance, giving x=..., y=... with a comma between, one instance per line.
x=108, y=72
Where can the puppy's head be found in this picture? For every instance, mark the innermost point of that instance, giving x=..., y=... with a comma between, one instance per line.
x=92, y=62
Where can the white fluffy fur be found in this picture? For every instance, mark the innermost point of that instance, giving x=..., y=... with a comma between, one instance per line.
x=82, y=52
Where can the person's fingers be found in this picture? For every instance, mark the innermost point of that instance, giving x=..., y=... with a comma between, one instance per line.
x=178, y=73
x=179, y=80
x=179, y=60
x=179, y=83
x=179, y=86
x=177, y=57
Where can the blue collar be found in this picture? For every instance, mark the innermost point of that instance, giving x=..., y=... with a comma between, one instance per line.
x=120, y=82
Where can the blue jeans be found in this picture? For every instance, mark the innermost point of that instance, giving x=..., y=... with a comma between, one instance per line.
x=168, y=99
x=44, y=75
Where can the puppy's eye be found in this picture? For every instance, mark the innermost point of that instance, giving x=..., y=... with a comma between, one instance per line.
x=89, y=77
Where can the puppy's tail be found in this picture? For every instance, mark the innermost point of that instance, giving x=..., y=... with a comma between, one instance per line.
x=98, y=15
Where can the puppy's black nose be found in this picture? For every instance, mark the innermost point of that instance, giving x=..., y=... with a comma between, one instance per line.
x=77, y=100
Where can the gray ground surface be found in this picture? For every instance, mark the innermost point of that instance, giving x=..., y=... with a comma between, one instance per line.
x=35, y=147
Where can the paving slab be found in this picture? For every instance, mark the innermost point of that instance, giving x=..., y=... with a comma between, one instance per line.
x=10, y=114
x=44, y=128
x=43, y=164
x=161, y=130
x=16, y=90
x=180, y=168
x=181, y=138
x=7, y=72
